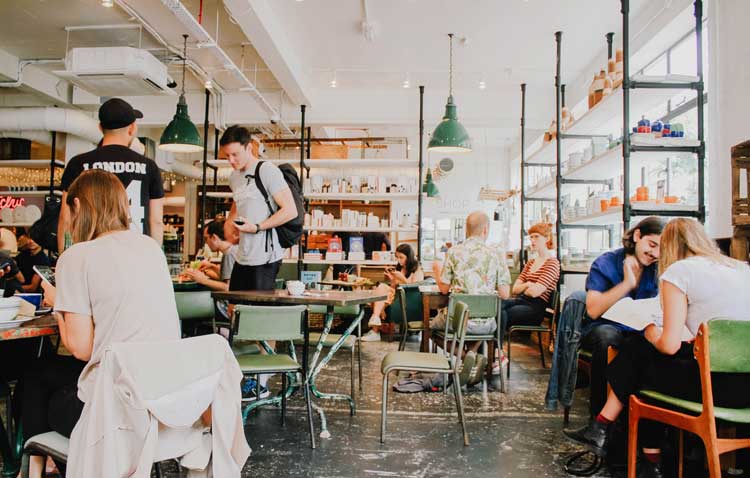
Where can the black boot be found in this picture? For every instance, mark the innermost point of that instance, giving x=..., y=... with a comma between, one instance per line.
x=647, y=469
x=593, y=436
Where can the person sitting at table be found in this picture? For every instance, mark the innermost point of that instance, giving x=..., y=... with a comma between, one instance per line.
x=629, y=271
x=30, y=254
x=407, y=271
x=538, y=280
x=473, y=267
x=97, y=303
x=697, y=283
x=215, y=276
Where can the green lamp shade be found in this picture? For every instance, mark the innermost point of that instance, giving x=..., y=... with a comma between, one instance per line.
x=181, y=135
x=429, y=187
x=450, y=136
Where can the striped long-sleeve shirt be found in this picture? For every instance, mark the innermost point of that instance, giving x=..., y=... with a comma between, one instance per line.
x=547, y=275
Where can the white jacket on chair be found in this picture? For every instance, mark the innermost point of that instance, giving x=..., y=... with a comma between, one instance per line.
x=146, y=407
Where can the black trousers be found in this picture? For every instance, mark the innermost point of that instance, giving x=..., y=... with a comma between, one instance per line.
x=522, y=311
x=601, y=337
x=50, y=401
x=639, y=365
x=262, y=277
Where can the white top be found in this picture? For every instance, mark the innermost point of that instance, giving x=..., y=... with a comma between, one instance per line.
x=122, y=281
x=713, y=290
x=252, y=206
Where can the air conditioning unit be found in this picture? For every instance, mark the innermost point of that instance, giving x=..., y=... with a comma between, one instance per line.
x=116, y=71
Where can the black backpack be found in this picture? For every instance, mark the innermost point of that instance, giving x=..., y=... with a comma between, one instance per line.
x=289, y=232
x=44, y=230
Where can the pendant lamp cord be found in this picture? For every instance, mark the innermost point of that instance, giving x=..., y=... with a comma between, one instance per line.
x=184, y=61
x=450, y=76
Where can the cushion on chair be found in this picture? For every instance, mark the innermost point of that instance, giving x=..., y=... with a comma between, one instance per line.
x=415, y=361
x=734, y=415
x=348, y=344
x=50, y=444
x=245, y=348
x=267, y=363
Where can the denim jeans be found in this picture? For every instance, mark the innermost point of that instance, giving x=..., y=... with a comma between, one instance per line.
x=598, y=336
x=562, y=380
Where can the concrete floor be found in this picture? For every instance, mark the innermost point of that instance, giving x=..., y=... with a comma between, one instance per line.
x=511, y=434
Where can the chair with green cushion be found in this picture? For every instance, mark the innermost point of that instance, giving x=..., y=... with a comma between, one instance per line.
x=720, y=347
x=196, y=306
x=430, y=362
x=261, y=324
x=481, y=306
x=350, y=343
x=550, y=317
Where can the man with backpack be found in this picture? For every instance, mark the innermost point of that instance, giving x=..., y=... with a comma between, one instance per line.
x=266, y=211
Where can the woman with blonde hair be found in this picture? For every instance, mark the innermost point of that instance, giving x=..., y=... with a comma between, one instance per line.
x=113, y=285
x=697, y=283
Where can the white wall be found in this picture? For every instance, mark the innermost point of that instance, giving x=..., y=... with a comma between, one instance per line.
x=728, y=105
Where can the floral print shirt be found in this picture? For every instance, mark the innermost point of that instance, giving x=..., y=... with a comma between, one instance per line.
x=473, y=267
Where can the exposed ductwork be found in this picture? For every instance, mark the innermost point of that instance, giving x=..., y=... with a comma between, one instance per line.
x=61, y=120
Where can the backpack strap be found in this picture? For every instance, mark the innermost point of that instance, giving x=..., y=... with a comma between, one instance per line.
x=262, y=189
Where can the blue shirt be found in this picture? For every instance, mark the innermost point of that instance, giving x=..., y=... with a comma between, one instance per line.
x=607, y=271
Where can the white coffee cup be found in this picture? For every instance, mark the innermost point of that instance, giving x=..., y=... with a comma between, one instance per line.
x=295, y=287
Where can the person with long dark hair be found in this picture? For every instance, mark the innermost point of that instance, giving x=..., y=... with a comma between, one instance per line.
x=630, y=271
x=407, y=271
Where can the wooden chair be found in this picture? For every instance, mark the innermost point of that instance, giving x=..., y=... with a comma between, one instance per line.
x=720, y=347
x=550, y=317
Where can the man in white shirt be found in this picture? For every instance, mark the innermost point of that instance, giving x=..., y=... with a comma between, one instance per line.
x=259, y=253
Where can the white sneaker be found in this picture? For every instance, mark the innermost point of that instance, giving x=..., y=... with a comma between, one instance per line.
x=371, y=336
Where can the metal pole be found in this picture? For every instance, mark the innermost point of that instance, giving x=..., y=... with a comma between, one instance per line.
x=609, y=36
x=699, y=93
x=202, y=221
x=626, y=206
x=421, y=167
x=52, y=164
x=562, y=95
x=301, y=167
x=558, y=144
x=522, y=259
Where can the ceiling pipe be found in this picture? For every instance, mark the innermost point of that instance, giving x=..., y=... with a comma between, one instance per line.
x=60, y=120
x=19, y=76
x=205, y=40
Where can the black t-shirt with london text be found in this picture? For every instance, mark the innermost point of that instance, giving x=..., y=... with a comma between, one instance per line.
x=139, y=174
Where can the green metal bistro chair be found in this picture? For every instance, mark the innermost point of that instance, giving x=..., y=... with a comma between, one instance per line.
x=720, y=347
x=429, y=362
x=481, y=306
x=410, y=304
x=263, y=323
x=196, y=307
x=550, y=318
x=350, y=344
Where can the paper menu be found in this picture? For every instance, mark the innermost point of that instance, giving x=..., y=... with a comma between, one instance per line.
x=639, y=314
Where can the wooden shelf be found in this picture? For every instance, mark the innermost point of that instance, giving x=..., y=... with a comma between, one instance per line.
x=542, y=191
x=31, y=194
x=334, y=163
x=362, y=229
x=344, y=262
x=29, y=163
x=363, y=196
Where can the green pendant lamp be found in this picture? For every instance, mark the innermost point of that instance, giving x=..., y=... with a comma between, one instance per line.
x=450, y=136
x=429, y=187
x=181, y=135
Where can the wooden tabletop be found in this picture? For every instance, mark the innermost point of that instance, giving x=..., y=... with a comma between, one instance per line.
x=39, y=327
x=343, y=283
x=340, y=298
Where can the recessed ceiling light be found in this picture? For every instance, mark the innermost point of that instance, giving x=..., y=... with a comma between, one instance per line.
x=333, y=83
x=108, y=3
x=209, y=84
x=482, y=85
x=406, y=84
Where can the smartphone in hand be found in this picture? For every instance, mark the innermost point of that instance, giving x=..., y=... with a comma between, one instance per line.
x=45, y=272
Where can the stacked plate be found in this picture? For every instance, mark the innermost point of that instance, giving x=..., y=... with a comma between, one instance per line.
x=8, y=313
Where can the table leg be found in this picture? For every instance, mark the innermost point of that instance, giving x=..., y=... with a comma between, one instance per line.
x=426, y=332
x=10, y=461
x=318, y=367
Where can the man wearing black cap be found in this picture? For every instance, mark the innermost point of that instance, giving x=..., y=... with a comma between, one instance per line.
x=139, y=174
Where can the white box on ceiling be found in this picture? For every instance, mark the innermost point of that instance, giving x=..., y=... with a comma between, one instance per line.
x=116, y=71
